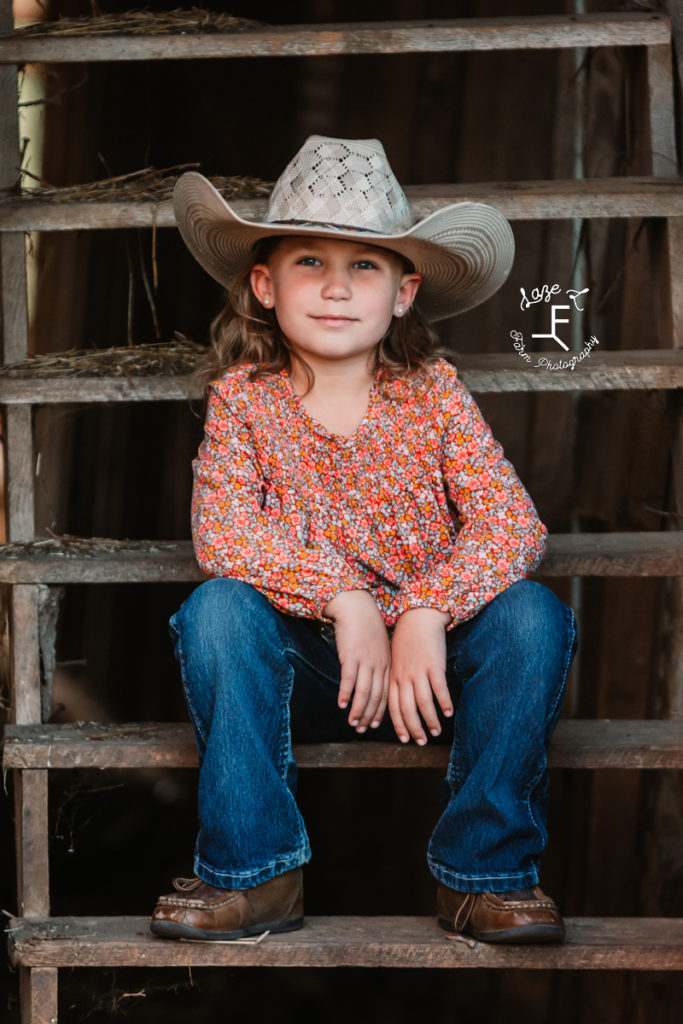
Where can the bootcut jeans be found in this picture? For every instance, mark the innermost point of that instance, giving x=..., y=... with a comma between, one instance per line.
x=255, y=678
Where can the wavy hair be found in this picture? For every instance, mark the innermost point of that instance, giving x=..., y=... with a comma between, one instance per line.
x=244, y=332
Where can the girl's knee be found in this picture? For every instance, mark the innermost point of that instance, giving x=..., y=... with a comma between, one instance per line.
x=526, y=625
x=219, y=604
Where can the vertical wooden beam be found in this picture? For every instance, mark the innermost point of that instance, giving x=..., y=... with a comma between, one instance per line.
x=38, y=988
x=37, y=991
x=662, y=120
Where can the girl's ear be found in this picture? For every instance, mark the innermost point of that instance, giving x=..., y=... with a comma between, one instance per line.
x=261, y=284
x=407, y=290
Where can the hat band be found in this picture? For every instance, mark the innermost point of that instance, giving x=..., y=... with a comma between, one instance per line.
x=327, y=226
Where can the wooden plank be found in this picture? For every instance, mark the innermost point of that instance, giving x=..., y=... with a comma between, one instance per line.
x=517, y=200
x=120, y=561
x=33, y=873
x=435, y=36
x=618, y=943
x=25, y=654
x=602, y=743
x=38, y=995
x=662, y=119
x=483, y=373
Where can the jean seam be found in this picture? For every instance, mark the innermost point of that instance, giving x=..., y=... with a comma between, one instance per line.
x=201, y=731
x=533, y=782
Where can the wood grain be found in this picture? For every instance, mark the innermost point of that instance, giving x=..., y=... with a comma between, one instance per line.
x=517, y=200
x=435, y=36
x=619, y=943
x=576, y=744
x=482, y=373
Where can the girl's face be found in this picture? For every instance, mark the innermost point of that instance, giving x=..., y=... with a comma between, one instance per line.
x=334, y=299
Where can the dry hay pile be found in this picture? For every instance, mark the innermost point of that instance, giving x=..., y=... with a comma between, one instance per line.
x=66, y=545
x=179, y=357
x=151, y=184
x=184, y=22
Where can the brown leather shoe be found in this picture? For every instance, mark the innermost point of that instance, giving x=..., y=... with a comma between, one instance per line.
x=525, y=915
x=198, y=910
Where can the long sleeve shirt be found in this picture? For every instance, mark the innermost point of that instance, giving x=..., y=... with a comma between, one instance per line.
x=419, y=506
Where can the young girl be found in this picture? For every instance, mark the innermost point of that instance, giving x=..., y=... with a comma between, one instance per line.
x=368, y=545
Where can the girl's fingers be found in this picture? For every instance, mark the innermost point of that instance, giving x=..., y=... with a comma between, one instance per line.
x=374, y=699
x=395, y=713
x=347, y=683
x=437, y=679
x=361, y=695
x=425, y=703
x=382, y=707
x=409, y=713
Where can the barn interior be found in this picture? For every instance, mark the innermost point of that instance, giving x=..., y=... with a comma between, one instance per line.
x=600, y=461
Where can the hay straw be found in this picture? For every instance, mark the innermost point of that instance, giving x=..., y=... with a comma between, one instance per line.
x=179, y=357
x=194, y=21
x=67, y=544
x=150, y=183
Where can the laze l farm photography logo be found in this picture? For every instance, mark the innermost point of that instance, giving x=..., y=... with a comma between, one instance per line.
x=562, y=305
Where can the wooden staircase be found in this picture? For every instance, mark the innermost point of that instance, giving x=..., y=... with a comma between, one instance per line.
x=40, y=945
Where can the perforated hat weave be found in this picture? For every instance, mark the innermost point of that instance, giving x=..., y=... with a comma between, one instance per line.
x=349, y=184
x=345, y=188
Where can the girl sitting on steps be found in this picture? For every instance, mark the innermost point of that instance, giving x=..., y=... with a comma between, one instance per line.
x=368, y=545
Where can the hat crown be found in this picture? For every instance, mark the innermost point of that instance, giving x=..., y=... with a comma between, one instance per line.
x=345, y=183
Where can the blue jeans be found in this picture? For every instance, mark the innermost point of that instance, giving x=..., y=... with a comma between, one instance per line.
x=255, y=677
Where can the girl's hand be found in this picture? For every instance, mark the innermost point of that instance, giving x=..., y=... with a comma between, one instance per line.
x=363, y=649
x=418, y=673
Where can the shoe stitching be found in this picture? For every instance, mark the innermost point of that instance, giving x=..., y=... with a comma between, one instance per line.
x=517, y=904
x=178, y=901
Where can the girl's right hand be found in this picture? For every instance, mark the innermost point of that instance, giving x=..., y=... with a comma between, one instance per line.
x=364, y=654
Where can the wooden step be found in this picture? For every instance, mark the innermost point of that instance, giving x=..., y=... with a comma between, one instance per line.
x=517, y=200
x=103, y=560
x=541, y=32
x=605, y=743
x=611, y=943
x=656, y=369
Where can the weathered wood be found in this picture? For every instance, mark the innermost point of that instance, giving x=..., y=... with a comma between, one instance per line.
x=517, y=200
x=33, y=874
x=120, y=561
x=483, y=373
x=662, y=121
x=13, y=297
x=20, y=473
x=618, y=943
x=435, y=36
x=25, y=654
x=38, y=995
x=576, y=744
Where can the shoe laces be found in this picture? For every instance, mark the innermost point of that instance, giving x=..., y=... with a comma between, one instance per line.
x=186, y=884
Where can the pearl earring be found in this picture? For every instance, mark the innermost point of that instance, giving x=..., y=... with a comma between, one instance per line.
x=399, y=309
x=266, y=302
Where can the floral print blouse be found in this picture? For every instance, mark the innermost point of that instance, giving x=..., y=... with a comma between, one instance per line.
x=418, y=506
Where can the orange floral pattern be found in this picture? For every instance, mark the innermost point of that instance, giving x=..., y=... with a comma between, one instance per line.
x=419, y=506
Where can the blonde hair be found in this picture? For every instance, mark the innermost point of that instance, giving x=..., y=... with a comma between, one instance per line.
x=243, y=332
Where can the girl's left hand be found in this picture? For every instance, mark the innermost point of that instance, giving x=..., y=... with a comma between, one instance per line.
x=418, y=673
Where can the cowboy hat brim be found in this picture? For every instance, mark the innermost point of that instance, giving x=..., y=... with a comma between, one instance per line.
x=463, y=251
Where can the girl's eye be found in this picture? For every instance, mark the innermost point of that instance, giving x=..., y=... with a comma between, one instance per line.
x=308, y=261
x=365, y=265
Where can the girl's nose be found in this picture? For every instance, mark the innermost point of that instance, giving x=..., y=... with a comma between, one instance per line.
x=336, y=284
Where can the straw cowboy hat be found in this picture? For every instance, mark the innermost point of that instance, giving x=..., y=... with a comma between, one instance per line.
x=345, y=188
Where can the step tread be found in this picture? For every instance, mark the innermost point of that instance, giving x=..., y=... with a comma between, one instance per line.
x=592, y=943
x=105, y=560
x=652, y=369
x=438, y=35
x=517, y=200
x=577, y=743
